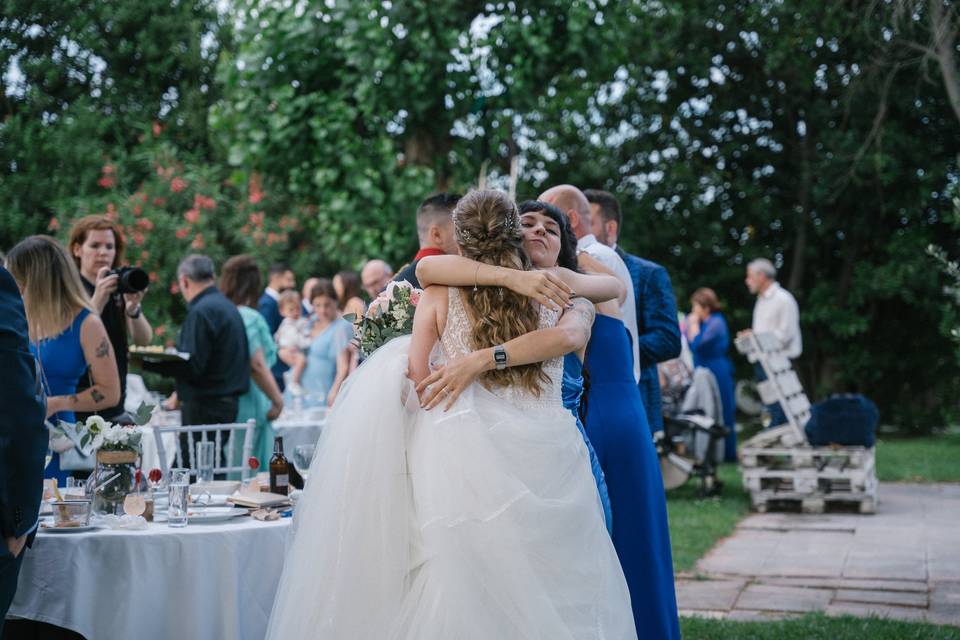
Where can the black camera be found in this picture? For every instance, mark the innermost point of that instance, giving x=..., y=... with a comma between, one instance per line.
x=130, y=279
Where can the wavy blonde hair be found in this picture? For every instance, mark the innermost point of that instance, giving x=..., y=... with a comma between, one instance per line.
x=487, y=227
x=52, y=292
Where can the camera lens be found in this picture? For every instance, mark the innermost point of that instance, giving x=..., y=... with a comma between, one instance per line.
x=132, y=280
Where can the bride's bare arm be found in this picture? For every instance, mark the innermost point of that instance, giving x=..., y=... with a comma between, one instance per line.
x=549, y=287
x=571, y=334
x=426, y=332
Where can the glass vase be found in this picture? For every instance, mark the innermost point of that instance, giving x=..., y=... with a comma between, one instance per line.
x=109, y=498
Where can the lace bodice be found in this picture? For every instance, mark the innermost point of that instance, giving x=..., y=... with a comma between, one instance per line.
x=455, y=342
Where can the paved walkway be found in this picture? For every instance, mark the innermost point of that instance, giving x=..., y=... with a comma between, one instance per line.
x=902, y=563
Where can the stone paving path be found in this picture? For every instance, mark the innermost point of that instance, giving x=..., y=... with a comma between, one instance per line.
x=902, y=563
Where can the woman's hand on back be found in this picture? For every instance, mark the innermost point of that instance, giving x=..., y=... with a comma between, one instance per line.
x=545, y=287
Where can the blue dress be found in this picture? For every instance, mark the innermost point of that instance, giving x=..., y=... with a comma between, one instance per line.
x=321, y=368
x=572, y=389
x=617, y=426
x=710, y=351
x=63, y=362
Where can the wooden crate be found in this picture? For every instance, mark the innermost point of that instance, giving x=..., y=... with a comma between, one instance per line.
x=764, y=501
x=781, y=457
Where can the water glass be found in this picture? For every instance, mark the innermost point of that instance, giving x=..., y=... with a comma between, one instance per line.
x=302, y=457
x=179, y=492
x=205, y=461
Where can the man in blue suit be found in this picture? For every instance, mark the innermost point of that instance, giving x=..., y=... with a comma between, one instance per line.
x=23, y=440
x=279, y=278
x=657, y=326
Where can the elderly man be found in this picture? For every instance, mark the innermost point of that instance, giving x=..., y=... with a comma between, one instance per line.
x=434, y=231
x=575, y=206
x=210, y=383
x=659, y=333
x=23, y=440
x=776, y=312
x=375, y=276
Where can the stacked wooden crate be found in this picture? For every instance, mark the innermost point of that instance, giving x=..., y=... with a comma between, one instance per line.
x=780, y=469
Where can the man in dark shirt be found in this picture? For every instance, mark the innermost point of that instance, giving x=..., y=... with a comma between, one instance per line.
x=23, y=441
x=435, y=232
x=211, y=382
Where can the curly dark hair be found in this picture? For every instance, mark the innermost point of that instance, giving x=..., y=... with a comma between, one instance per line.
x=568, y=242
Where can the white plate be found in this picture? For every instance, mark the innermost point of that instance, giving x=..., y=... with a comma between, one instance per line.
x=215, y=514
x=51, y=529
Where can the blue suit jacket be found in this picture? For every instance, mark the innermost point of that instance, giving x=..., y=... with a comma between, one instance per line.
x=23, y=437
x=270, y=310
x=657, y=328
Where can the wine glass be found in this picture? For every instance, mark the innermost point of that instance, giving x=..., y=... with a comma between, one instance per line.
x=302, y=457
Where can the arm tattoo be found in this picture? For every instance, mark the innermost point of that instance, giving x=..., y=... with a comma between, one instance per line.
x=73, y=399
x=584, y=313
x=103, y=349
x=97, y=396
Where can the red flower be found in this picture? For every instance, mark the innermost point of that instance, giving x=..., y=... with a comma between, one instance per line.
x=157, y=129
x=256, y=219
x=159, y=202
x=144, y=224
x=192, y=216
x=155, y=475
x=203, y=202
x=138, y=477
x=253, y=463
x=160, y=330
x=152, y=276
x=108, y=169
x=256, y=197
x=106, y=182
x=145, y=255
x=178, y=184
x=174, y=288
x=182, y=233
x=137, y=210
x=53, y=225
x=198, y=242
x=138, y=238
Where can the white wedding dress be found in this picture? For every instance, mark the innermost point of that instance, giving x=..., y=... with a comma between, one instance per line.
x=482, y=522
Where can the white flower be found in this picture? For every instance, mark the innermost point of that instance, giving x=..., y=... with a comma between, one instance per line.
x=97, y=442
x=96, y=424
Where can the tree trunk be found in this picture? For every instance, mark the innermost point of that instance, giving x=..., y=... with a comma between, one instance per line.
x=943, y=30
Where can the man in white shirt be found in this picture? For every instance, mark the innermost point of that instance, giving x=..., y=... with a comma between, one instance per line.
x=776, y=312
x=575, y=206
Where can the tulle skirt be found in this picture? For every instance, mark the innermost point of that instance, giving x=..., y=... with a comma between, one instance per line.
x=481, y=522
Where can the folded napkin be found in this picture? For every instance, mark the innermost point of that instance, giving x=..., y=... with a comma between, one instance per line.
x=265, y=515
x=126, y=523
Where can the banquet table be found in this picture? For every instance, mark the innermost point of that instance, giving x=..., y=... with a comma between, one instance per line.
x=201, y=581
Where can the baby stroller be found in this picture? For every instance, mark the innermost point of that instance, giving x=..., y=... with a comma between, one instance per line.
x=692, y=436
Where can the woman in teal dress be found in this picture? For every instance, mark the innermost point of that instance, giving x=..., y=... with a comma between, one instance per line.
x=328, y=358
x=241, y=284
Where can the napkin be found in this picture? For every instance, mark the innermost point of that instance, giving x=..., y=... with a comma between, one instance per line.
x=265, y=515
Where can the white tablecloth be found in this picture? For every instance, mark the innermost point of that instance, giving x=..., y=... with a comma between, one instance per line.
x=201, y=582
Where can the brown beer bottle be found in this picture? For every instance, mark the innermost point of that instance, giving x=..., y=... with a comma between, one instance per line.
x=279, y=469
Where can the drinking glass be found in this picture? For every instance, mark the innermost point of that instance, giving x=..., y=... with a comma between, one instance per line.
x=179, y=492
x=205, y=461
x=302, y=457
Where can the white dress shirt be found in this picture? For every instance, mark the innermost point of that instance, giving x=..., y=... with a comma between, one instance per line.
x=609, y=258
x=273, y=293
x=777, y=312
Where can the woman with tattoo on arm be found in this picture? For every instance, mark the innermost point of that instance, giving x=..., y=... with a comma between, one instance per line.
x=66, y=336
x=615, y=424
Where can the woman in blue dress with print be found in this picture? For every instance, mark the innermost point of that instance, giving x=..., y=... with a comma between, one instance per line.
x=709, y=339
x=328, y=358
x=65, y=336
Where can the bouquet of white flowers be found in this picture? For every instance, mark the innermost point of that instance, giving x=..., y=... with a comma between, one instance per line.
x=389, y=316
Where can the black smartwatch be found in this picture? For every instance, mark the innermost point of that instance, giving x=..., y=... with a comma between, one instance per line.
x=500, y=357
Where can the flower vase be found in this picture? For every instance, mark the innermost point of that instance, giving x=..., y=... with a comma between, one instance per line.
x=109, y=499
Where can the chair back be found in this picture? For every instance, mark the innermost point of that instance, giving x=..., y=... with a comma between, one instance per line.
x=222, y=435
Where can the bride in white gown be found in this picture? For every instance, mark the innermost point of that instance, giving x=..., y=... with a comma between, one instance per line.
x=482, y=522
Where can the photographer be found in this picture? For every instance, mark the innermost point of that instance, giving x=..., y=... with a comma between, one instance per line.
x=97, y=244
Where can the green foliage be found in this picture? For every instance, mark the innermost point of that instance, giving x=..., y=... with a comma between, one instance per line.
x=812, y=133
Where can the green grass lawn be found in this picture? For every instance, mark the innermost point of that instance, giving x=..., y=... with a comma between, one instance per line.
x=814, y=626
x=930, y=459
x=696, y=525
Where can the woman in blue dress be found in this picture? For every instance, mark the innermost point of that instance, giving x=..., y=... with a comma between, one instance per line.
x=709, y=339
x=328, y=358
x=66, y=337
x=616, y=425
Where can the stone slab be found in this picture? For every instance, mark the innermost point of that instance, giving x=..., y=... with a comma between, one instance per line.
x=764, y=597
x=907, y=614
x=895, y=598
x=909, y=586
x=708, y=594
